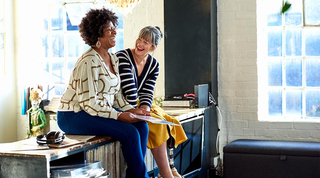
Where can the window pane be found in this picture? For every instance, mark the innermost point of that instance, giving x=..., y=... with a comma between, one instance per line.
x=275, y=42
x=120, y=18
x=57, y=45
x=293, y=17
x=73, y=42
x=45, y=23
x=293, y=42
x=56, y=1
x=293, y=72
x=70, y=26
x=45, y=74
x=45, y=46
x=70, y=66
x=275, y=103
x=1, y=17
x=293, y=103
x=75, y=13
x=58, y=90
x=275, y=73
x=312, y=15
x=1, y=41
x=119, y=42
x=57, y=71
x=313, y=72
x=85, y=47
x=56, y=15
x=312, y=40
x=313, y=103
x=272, y=7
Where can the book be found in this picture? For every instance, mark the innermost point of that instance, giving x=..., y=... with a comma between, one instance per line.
x=154, y=120
x=177, y=103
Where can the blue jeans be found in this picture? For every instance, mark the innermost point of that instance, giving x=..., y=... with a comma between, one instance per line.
x=133, y=137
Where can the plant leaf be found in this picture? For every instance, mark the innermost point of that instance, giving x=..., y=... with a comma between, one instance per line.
x=285, y=7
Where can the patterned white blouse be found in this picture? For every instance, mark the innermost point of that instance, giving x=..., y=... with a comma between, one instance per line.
x=93, y=88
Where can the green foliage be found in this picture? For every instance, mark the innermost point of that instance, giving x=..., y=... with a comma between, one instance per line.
x=285, y=7
x=158, y=101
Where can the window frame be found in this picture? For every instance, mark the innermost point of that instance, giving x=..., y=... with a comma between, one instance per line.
x=263, y=58
x=50, y=59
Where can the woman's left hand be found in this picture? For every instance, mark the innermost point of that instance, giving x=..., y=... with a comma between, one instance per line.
x=140, y=112
x=145, y=107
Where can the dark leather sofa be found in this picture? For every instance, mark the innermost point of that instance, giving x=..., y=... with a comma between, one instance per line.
x=271, y=159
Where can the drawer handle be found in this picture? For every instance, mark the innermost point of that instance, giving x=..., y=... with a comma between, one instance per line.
x=283, y=157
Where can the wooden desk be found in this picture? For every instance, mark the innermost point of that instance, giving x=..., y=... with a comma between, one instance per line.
x=184, y=113
x=32, y=161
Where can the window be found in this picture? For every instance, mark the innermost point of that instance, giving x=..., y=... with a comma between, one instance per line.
x=62, y=44
x=290, y=61
x=2, y=38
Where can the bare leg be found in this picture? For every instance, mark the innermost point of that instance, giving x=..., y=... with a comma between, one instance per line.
x=160, y=156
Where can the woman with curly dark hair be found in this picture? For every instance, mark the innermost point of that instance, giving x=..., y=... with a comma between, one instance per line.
x=87, y=107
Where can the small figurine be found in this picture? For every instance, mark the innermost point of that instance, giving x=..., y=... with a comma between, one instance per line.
x=36, y=116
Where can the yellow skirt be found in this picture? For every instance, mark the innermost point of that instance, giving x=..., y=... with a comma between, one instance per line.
x=158, y=133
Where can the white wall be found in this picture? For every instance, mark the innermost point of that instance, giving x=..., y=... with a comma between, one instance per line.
x=238, y=80
x=8, y=131
x=27, y=16
x=147, y=12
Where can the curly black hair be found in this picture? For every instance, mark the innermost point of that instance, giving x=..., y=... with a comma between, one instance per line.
x=93, y=24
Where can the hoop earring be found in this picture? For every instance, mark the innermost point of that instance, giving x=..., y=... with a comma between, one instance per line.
x=98, y=44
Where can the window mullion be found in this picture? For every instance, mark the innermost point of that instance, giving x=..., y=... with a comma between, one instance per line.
x=50, y=47
x=65, y=41
x=283, y=59
x=303, y=47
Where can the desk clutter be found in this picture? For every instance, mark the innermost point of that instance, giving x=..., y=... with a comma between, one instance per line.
x=89, y=170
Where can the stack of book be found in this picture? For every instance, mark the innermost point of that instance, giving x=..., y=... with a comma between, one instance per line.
x=178, y=102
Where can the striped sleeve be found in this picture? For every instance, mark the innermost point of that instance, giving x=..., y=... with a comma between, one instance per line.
x=147, y=87
x=128, y=82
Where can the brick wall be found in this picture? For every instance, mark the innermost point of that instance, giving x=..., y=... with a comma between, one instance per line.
x=238, y=79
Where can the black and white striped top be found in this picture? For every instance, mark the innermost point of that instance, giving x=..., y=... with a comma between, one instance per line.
x=133, y=86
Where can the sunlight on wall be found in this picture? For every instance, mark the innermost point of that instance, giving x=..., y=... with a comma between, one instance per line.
x=30, y=50
x=262, y=71
x=144, y=14
x=2, y=38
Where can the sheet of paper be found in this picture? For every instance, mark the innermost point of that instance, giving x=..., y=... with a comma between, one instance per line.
x=154, y=120
x=22, y=145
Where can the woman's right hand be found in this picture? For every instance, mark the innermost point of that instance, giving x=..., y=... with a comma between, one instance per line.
x=127, y=117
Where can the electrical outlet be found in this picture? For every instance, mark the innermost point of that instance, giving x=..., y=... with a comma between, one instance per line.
x=215, y=161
